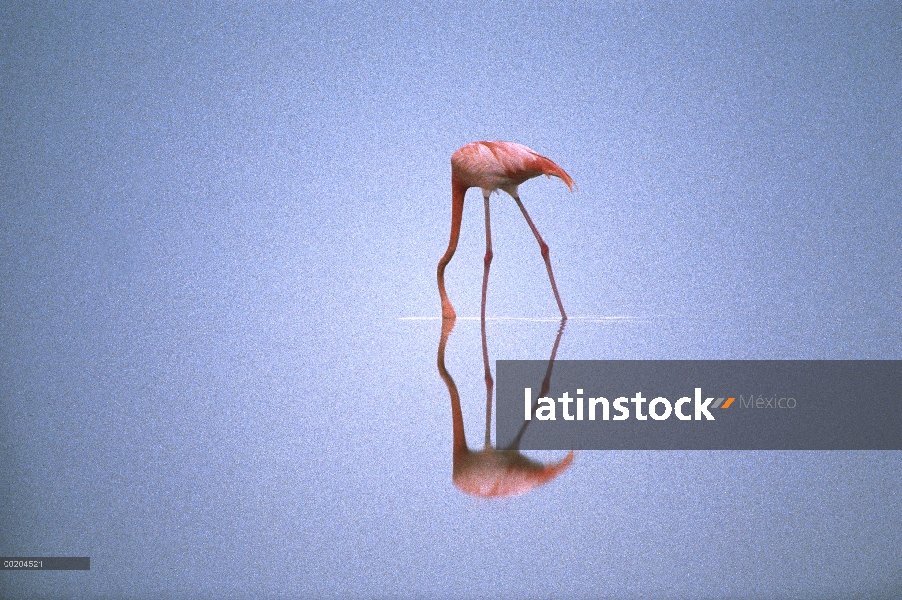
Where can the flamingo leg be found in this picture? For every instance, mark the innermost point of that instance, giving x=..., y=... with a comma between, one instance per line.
x=487, y=260
x=489, y=382
x=545, y=255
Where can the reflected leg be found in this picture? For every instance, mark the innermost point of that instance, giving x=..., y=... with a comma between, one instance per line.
x=543, y=391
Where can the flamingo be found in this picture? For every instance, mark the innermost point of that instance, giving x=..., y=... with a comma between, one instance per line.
x=494, y=166
x=494, y=472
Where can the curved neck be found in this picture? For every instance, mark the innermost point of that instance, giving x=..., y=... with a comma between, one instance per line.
x=458, y=191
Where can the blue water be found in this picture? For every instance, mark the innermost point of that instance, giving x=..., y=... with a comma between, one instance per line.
x=220, y=321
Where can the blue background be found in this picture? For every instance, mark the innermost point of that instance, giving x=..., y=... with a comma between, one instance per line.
x=219, y=228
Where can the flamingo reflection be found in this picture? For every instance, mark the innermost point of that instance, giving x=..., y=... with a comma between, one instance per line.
x=492, y=472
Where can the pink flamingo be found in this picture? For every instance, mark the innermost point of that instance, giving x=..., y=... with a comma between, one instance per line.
x=494, y=166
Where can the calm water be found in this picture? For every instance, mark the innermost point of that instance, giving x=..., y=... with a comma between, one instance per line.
x=247, y=468
x=218, y=238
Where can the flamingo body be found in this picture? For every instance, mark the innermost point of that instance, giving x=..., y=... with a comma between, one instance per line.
x=494, y=166
x=501, y=166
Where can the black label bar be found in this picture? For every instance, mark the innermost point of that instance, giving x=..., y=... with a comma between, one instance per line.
x=45, y=563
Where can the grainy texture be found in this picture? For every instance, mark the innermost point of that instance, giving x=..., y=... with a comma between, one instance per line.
x=212, y=218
